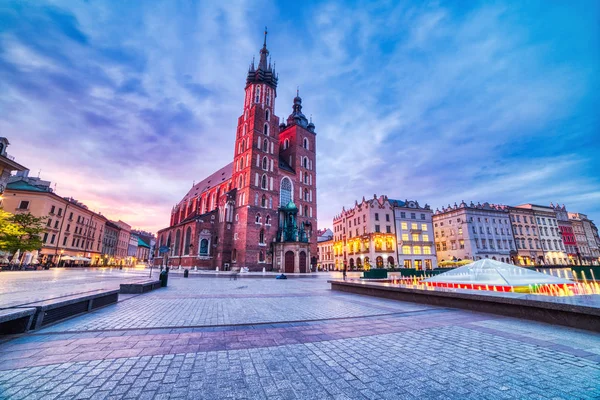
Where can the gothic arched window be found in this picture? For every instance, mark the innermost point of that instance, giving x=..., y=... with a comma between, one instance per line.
x=267, y=113
x=265, y=145
x=268, y=220
x=261, y=257
x=286, y=144
x=305, y=143
x=305, y=194
x=265, y=163
x=177, y=242
x=187, y=242
x=257, y=95
x=263, y=182
x=266, y=130
x=261, y=237
x=285, y=192
x=263, y=201
x=257, y=220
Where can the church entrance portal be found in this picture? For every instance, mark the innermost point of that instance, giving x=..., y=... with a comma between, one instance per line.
x=302, y=262
x=289, y=262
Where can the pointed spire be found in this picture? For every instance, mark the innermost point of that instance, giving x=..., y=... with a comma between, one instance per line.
x=263, y=54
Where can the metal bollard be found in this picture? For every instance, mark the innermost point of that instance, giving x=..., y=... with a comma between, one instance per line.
x=186, y=273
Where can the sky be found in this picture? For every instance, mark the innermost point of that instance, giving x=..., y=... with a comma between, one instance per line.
x=125, y=104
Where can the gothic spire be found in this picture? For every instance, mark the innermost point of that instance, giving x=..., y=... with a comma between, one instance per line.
x=263, y=54
x=264, y=72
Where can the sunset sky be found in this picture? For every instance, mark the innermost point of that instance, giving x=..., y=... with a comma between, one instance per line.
x=125, y=104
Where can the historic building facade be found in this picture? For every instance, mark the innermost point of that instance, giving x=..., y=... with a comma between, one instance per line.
x=565, y=227
x=474, y=232
x=527, y=241
x=586, y=238
x=259, y=211
x=549, y=234
x=414, y=234
x=72, y=230
x=7, y=165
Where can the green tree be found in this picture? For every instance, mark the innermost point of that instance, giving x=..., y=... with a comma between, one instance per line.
x=27, y=238
x=9, y=231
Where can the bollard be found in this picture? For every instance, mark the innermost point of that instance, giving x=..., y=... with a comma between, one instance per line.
x=186, y=273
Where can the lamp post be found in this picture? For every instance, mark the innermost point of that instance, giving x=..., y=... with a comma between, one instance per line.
x=59, y=257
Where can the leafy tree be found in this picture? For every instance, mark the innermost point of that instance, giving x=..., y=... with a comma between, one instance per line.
x=27, y=238
x=9, y=231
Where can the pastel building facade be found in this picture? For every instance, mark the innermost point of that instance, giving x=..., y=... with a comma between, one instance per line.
x=586, y=237
x=474, y=232
x=365, y=234
x=527, y=241
x=549, y=234
x=414, y=234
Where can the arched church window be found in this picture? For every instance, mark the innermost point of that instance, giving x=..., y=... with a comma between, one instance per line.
x=266, y=130
x=306, y=211
x=268, y=97
x=234, y=255
x=257, y=219
x=261, y=257
x=267, y=113
x=265, y=145
x=305, y=162
x=240, y=182
x=241, y=164
x=261, y=237
x=177, y=242
x=263, y=181
x=268, y=220
x=305, y=194
x=285, y=192
x=305, y=143
x=204, y=247
x=286, y=144
x=263, y=201
x=265, y=163
x=187, y=242
x=245, y=129
x=257, y=95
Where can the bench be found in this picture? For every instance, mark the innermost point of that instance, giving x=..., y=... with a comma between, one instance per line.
x=55, y=310
x=16, y=320
x=139, y=287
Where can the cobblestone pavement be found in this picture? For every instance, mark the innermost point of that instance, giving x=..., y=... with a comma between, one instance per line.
x=208, y=338
x=21, y=287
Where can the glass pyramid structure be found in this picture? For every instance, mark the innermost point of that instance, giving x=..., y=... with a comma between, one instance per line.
x=495, y=273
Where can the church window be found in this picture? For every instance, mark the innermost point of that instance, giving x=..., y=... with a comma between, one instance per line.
x=257, y=95
x=263, y=201
x=306, y=195
x=204, y=247
x=257, y=219
x=285, y=192
x=241, y=163
x=265, y=145
x=234, y=255
x=245, y=129
x=305, y=162
x=188, y=239
x=263, y=183
x=268, y=220
x=261, y=257
x=240, y=182
x=305, y=143
x=177, y=243
x=265, y=163
x=266, y=130
x=306, y=210
x=268, y=97
x=286, y=144
x=261, y=237
x=267, y=113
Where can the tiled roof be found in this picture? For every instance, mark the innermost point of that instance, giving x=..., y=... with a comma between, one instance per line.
x=397, y=203
x=222, y=175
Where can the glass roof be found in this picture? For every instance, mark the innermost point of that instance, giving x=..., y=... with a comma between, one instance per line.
x=492, y=272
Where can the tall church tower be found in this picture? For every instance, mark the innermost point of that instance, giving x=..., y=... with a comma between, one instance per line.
x=256, y=168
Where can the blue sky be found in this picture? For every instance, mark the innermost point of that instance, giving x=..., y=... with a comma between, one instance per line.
x=125, y=104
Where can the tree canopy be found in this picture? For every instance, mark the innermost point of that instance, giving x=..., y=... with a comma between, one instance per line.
x=20, y=231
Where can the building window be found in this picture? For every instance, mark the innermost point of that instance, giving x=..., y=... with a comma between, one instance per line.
x=46, y=237
x=405, y=237
x=265, y=163
x=23, y=205
x=268, y=220
x=265, y=145
x=424, y=227
x=376, y=216
x=266, y=130
x=422, y=216
x=52, y=209
x=263, y=182
x=404, y=226
x=285, y=192
x=305, y=143
x=263, y=201
x=286, y=144
x=377, y=228
x=257, y=219
x=261, y=238
x=267, y=113
x=405, y=249
x=426, y=250
x=413, y=216
x=388, y=229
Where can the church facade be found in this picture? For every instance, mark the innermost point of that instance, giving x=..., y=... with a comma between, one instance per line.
x=260, y=210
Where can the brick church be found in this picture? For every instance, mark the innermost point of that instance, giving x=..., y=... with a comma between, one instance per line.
x=259, y=211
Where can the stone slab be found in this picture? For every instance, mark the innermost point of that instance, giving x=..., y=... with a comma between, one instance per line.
x=509, y=304
x=140, y=287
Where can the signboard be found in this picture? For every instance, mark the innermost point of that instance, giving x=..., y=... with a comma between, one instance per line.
x=163, y=249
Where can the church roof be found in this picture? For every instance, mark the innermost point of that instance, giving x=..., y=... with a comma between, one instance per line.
x=222, y=175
